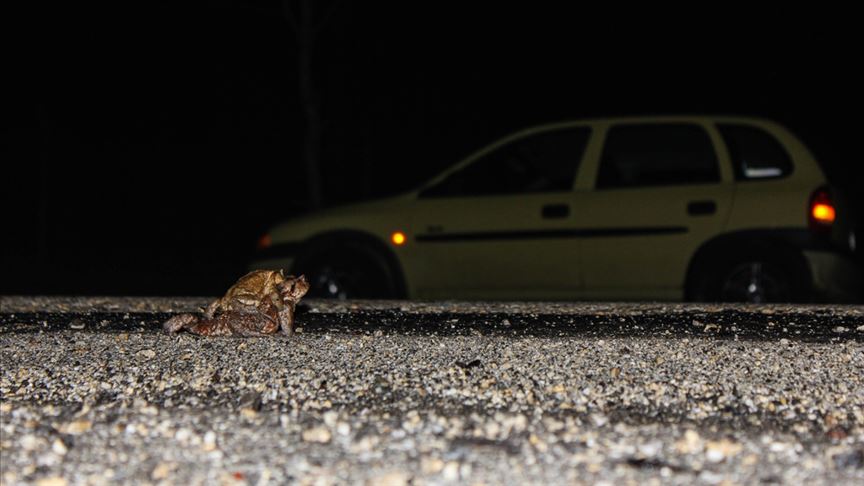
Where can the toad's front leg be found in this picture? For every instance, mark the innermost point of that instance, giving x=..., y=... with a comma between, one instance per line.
x=210, y=311
x=286, y=319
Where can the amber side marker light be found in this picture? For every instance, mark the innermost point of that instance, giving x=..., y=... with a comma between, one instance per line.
x=822, y=212
x=398, y=238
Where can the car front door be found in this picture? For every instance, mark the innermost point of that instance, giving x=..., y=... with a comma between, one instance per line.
x=659, y=193
x=496, y=228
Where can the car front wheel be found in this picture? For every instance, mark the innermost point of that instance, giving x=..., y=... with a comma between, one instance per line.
x=346, y=274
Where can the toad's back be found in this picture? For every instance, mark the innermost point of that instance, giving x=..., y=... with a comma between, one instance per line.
x=252, y=288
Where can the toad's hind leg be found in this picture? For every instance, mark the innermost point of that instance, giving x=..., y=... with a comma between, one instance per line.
x=179, y=322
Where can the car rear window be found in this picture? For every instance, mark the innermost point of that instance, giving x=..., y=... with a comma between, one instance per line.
x=755, y=153
x=657, y=155
x=542, y=162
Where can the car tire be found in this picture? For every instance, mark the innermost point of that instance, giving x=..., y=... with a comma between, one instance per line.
x=350, y=272
x=753, y=277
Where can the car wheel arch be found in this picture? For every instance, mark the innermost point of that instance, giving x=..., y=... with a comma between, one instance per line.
x=354, y=240
x=728, y=247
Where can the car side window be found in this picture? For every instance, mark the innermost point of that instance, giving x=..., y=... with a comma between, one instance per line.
x=755, y=153
x=543, y=162
x=657, y=155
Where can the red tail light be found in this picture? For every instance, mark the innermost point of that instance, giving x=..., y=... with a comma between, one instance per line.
x=264, y=242
x=821, y=213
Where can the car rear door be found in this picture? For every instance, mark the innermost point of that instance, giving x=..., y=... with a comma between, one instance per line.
x=496, y=228
x=660, y=191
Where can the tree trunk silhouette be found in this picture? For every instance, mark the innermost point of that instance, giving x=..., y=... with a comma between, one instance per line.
x=306, y=29
x=44, y=193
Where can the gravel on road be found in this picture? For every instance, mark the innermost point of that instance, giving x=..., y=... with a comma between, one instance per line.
x=434, y=393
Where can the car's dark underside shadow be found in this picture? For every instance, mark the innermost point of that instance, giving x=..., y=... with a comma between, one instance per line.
x=727, y=324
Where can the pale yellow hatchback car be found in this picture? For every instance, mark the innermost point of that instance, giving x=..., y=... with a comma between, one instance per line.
x=644, y=208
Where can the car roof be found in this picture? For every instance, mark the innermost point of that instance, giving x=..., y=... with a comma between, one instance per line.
x=643, y=119
x=662, y=119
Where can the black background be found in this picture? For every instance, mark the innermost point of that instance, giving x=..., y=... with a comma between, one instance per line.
x=147, y=145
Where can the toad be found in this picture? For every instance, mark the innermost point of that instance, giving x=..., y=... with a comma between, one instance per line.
x=262, y=302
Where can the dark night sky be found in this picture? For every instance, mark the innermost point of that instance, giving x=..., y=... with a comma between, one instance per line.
x=158, y=139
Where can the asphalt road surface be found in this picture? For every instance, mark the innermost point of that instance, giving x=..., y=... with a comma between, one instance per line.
x=411, y=393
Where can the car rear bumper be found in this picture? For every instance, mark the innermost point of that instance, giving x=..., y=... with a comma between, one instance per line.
x=836, y=276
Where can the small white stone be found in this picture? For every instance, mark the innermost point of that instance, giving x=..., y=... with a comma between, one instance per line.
x=320, y=435
x=182, y=435
x=690, y=443
x=431, y=465
x=30, y=442
x=209, y=441
x=395, y=478
x=330, y=418
x=451, y=471
x=650, y=449
x=52, y=481
x=161, y=471
x=76, y=427
x=599, y=420
x=59, y=447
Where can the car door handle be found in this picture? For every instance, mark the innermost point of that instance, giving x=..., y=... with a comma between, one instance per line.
x=553, y=211
x=701, y=208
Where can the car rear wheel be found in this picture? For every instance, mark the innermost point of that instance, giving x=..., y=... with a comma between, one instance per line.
x=755, y=282
x=753, y=278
